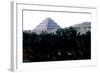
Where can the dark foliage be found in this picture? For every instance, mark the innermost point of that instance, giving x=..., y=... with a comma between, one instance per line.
x=65, y=44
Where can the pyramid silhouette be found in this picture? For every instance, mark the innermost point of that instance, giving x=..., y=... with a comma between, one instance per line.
x=48, y=25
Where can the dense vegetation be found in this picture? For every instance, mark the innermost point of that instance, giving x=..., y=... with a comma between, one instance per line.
x=64, y=44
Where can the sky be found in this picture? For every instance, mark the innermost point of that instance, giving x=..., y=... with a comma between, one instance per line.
x=33, y=18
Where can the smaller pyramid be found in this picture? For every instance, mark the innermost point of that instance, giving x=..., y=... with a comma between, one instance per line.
x=83, y=27
x=47, y=25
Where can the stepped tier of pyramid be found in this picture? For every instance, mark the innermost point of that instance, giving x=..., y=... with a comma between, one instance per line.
x=47, y=25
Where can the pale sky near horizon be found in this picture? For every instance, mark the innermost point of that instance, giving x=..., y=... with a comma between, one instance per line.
x=33, y=18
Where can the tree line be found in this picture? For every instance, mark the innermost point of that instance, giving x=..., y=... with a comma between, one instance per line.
x=64, y=44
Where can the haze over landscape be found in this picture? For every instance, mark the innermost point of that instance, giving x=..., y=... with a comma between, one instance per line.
x=49, y=25
x=31, y=19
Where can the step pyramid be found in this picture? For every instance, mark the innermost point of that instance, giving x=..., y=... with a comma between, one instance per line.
x=47, y=25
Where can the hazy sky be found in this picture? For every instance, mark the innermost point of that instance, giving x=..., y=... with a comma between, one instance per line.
x=33, y=18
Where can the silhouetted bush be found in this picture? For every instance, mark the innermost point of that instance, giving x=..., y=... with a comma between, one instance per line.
x=64, y=44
